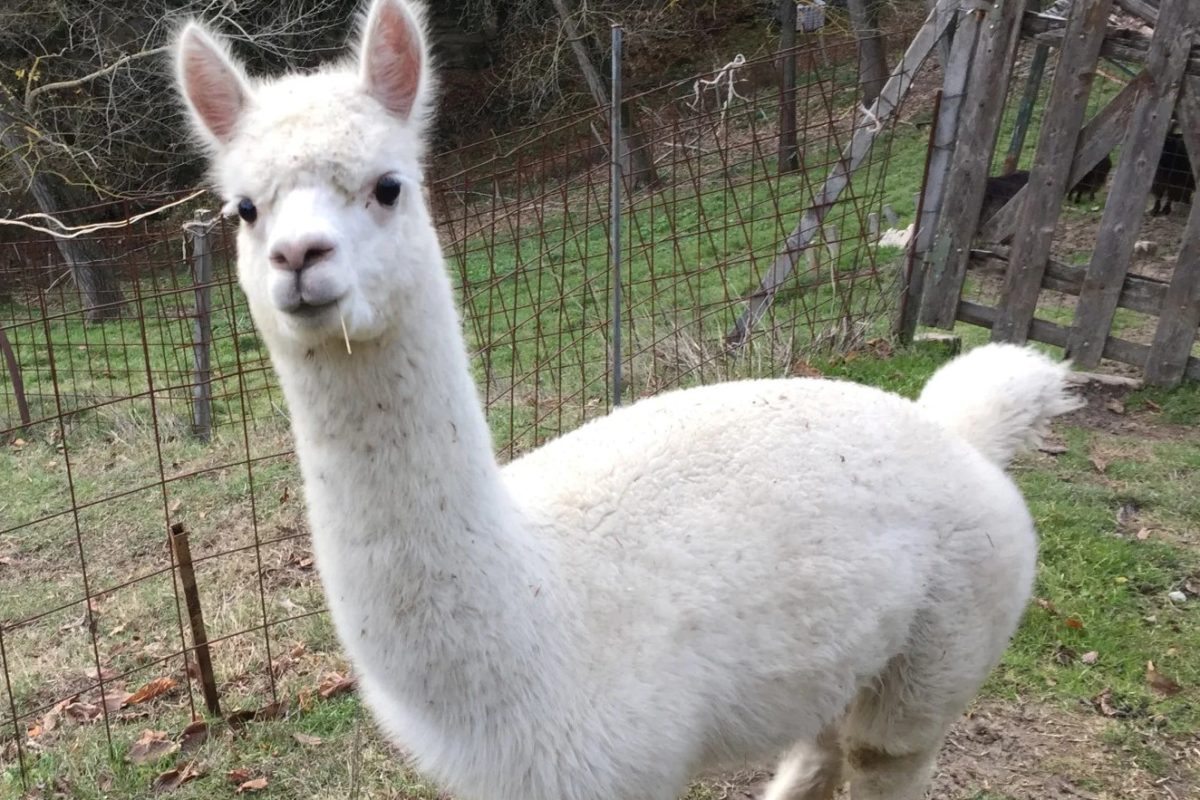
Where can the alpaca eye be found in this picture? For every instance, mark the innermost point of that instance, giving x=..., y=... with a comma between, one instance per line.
x=246, y=210
x=387, y=189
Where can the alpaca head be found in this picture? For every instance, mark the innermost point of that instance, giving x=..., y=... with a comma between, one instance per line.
x=324, y=170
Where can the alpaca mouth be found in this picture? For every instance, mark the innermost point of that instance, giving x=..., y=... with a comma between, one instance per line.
x=307, y=310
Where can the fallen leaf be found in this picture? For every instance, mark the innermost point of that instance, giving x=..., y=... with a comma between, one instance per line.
x=151, y=690
x=1073, y=622
x=19, y=443
x=83, y=712
x=1064, y=655
x=1045, y=605
x=1103, y=704
x=34, y=731
x=238, y=776
x=51, y=718
x=1161, y=683
x=194, y=735
x=298, y=650
x=172, y=779
x=1143, y=534
x=1090, y=657
x=1099, y=463
x=304, y=700
x=1152, y=406
x=334, y=685
x=115, y=699
x=150, y=746
x=256, y=785
x=308, y=741
x=1115, y=406
x=176, y=504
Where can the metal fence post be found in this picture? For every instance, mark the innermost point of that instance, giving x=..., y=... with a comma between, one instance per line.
x=202, y=272
x=615, y=211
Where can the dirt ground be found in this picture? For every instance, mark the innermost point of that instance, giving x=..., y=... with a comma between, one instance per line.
x=1028, y=752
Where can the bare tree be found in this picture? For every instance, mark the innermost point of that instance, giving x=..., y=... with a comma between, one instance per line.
x=789, y=156
x=83, y=117
x=872, y=47
x=635, y=154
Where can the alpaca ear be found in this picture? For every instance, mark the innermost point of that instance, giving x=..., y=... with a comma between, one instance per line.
x=211, y=82
x=392, y=56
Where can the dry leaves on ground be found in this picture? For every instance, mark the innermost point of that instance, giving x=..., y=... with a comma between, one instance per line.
x=172, y=779
x=335, y=684
x=254, y=785
x=153, y=689
x=151, y=746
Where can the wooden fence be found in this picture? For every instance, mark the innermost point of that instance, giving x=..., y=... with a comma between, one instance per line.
x=978, y=66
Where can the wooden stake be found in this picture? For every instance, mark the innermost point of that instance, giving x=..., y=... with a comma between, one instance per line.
x=187, y=575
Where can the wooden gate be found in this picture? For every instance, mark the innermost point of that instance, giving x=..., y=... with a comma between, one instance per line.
x=1164, y=91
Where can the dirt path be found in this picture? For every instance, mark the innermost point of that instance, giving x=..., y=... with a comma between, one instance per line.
x=1003, y=751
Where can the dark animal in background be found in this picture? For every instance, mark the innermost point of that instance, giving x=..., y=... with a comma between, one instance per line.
x=1174, y=180
x=1000, y=189
x=1090, y=183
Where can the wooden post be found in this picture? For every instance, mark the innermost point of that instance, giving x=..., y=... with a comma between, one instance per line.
x=979, y=127
x=889, y=100
x=914, y=277
x=14, y=375
x=1180, y=313
x=1140, y=152
x=789, y=155
x=954, y=86
x=1037, y=68
x=187, y=576
x=1050, y=173
x=202, y=273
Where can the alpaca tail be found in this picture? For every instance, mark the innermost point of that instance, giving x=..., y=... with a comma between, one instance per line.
x=1000, y=398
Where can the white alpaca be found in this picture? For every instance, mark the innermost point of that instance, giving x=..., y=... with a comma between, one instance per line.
x=799, y=568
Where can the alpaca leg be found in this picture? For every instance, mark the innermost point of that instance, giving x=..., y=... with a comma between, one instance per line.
x=896, y=726
x=879, y=775
x=810, y=771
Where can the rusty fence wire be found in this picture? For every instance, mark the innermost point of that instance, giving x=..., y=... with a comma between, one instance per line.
x=101, y=455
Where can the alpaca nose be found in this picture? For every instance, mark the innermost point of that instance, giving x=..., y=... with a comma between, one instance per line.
x=300, y=252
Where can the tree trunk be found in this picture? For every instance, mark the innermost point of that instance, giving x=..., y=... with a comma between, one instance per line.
x=637, y=159
x=872, y=48
x=789, y=157
x=97, y=282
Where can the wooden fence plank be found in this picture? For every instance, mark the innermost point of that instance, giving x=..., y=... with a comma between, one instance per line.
x=1050, y=333
x=1140, y=150
x=979, y=127
x=892, y=94
x=1181, y=308
x=1097, y=139
x=1119, y=44
x=1138, y=293
x=1049, y=176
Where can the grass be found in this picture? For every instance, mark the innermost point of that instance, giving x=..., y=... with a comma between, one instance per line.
x=1093, y=570
x=535, y=294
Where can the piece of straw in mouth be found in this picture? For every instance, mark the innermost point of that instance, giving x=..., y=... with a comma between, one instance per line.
x=345, y=334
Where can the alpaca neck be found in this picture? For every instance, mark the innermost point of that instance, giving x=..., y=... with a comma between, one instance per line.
x=421, y=549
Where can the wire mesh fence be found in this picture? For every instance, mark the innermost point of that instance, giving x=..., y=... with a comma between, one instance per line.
x=101, y=457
